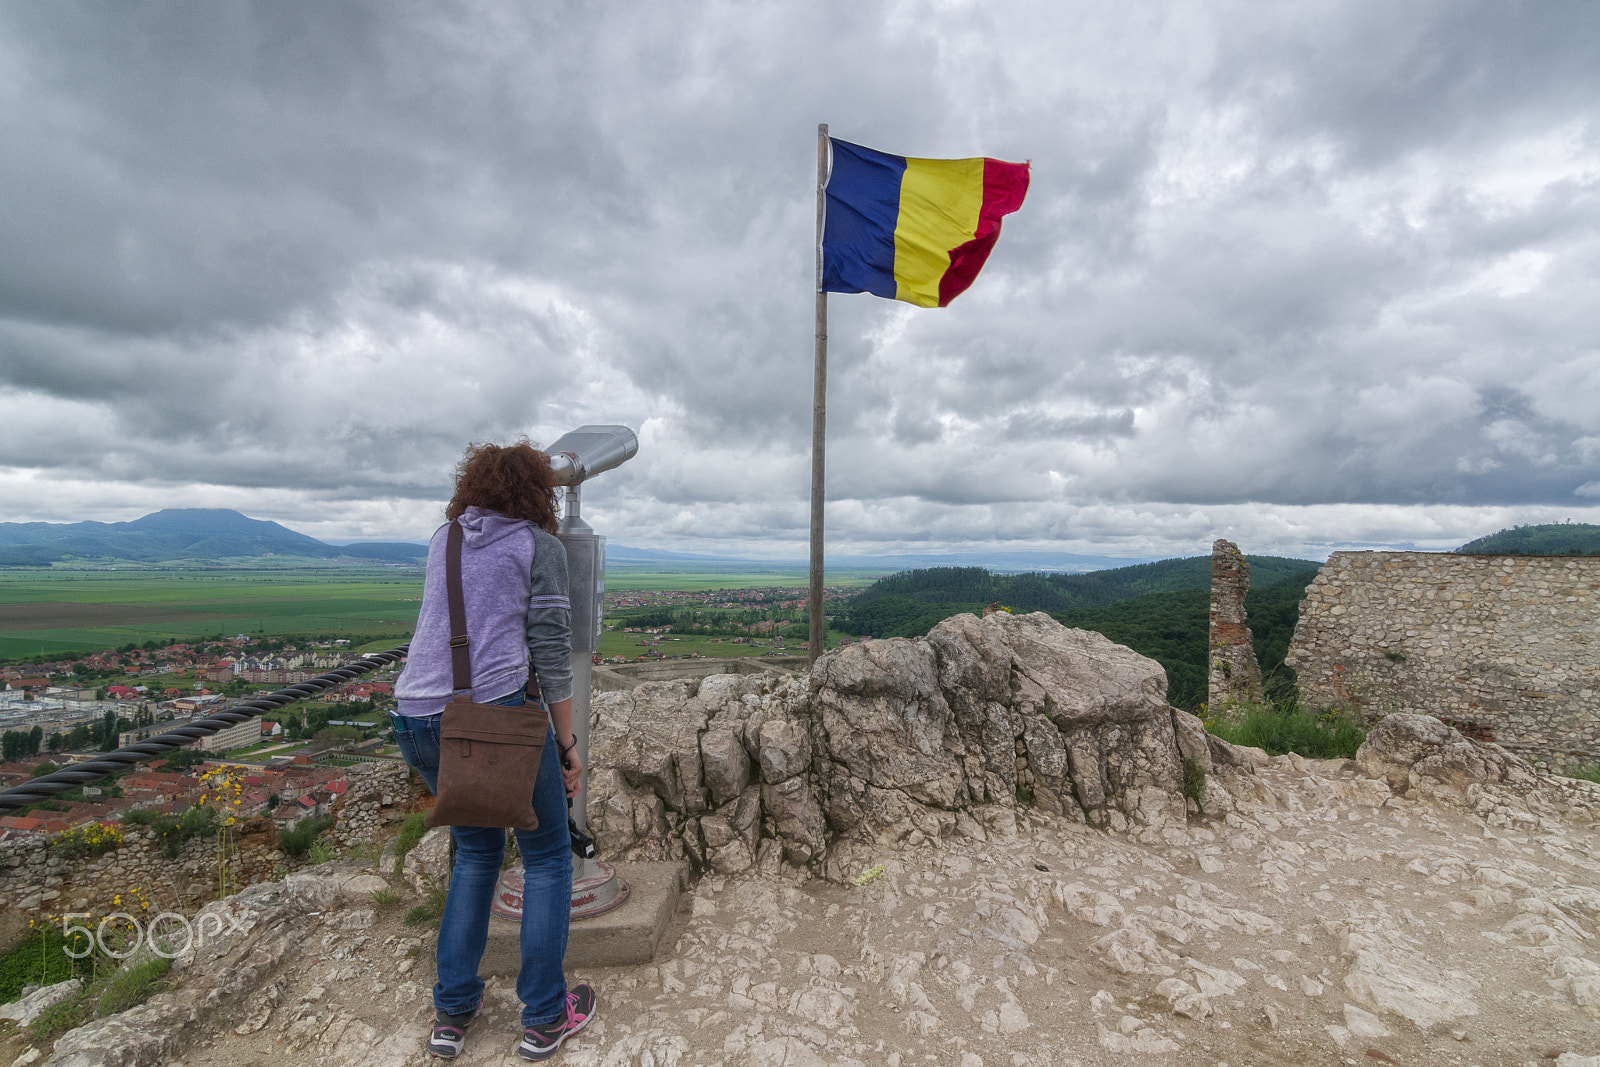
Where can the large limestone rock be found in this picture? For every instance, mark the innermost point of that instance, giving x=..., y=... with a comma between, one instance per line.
x=666, y=755
x=897, y=740
x=946, y=715
x=231, y=961
x=1421, y=753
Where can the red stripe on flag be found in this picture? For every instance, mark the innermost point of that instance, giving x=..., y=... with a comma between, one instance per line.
x=1004, y=186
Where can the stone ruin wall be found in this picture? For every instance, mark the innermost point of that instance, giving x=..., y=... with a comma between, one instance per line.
x=1502, y=647
x=1234, y=676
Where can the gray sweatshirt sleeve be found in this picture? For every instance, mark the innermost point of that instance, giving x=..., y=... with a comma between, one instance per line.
x=550, y=619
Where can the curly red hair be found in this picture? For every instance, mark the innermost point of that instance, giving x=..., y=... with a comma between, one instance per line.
x=514, y=480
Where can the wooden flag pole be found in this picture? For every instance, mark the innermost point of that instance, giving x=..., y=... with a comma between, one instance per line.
x=819, y=411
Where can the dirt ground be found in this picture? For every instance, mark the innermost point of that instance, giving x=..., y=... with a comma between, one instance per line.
x=1341, y=927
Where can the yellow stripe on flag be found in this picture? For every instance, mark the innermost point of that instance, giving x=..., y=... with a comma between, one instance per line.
x=939, y=204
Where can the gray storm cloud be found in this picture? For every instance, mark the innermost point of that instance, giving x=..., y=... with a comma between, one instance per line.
x=1309, y=276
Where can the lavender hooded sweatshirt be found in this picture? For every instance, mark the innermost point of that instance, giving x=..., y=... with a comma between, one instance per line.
x=514, y=583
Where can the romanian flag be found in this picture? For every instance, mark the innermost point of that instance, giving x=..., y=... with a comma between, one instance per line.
x=917, y=230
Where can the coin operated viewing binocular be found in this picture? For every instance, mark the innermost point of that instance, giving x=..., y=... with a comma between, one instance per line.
x=590, y=450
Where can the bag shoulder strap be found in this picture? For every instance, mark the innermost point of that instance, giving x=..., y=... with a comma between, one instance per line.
x=460, y=657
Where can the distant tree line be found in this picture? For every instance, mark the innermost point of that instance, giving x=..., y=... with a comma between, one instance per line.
x=1063, y=592
x=1550, y=539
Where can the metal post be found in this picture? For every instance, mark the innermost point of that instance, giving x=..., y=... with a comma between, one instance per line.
x=819, y=411
x=595, y=885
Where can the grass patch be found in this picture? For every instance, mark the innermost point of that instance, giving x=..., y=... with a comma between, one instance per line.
x=1291, y=727
x=110, y=992
x=1587, y=774
x=384, y=899
x=1194, y=784
x=428, y=911
x=411, y=831
x=57, y=1019
x=132, y=986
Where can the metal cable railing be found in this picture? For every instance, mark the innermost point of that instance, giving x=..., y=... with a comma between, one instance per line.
x=48, y=785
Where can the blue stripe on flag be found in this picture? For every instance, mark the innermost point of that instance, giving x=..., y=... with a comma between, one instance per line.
x=862, y=213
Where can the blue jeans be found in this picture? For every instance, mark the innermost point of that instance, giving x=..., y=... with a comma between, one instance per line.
x=546, y=891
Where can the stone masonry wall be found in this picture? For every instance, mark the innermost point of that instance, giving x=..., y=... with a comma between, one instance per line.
x=1503, y=647
x=1234, y=675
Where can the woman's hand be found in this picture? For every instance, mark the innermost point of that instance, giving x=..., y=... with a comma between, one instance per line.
x=571, y=768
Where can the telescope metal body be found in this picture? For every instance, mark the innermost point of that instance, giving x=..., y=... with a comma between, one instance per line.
x=590, y=450
x=576, y=457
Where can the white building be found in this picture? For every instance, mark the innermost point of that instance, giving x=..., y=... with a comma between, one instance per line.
x=236, y=736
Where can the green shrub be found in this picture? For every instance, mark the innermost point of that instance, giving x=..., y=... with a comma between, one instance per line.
x=1292, y=728
x=172, y=831
x=297, y=842
x=41, y=959
x=91, y=839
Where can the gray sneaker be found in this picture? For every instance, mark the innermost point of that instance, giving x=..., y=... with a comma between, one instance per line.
x=545, y=1039
x=450, y=1034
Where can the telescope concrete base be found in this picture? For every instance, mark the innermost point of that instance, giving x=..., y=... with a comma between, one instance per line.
x=626, y=936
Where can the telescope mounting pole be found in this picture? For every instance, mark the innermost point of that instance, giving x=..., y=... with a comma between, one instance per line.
x=819, y=411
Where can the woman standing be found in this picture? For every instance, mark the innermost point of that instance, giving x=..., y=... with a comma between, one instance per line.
x=514, y=583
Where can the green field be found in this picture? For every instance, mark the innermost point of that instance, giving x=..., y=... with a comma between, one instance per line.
x=58, y=611
x=53, y=612
x=659, y=578
x=616, y=643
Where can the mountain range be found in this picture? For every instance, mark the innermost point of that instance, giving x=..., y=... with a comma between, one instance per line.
x=181, y=534
x=215, y=534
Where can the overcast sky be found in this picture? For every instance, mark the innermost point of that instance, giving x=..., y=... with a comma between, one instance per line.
x=1307, y=276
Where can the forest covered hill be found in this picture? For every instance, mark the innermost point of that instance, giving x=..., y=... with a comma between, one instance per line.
x=1159, y=610
x=1550, y=539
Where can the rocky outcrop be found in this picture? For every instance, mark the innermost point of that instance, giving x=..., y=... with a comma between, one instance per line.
x=1234, y=674
x=1420, y=754
x=229, y=964
x=903, y=740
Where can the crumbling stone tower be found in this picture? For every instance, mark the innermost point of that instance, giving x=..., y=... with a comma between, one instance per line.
x=1235, y=677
